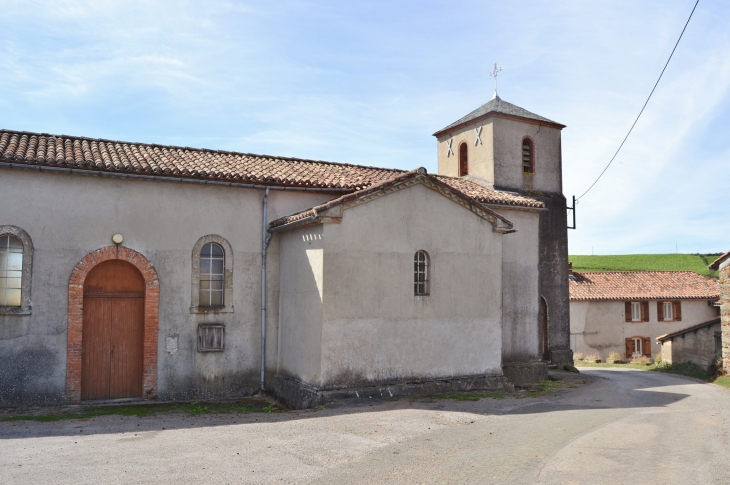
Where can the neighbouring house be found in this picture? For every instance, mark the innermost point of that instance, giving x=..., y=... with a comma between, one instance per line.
x=698, y=344
x=132, y=270
x=722, y=265
x=625, y=311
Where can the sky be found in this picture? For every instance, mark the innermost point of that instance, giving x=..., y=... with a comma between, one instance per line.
x=370, y=82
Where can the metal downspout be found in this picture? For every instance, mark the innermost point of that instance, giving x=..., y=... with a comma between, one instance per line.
x=265, y=238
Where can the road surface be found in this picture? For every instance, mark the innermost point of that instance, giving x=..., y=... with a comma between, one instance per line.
x=621, y=426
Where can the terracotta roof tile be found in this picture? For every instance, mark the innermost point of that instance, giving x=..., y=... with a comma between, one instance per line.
x=146, y=159
x=489, y=196
x=383, y=186
x=642, y=285
x=183, y=162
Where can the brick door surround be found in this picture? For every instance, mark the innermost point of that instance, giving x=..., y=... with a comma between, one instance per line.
x=76, y=318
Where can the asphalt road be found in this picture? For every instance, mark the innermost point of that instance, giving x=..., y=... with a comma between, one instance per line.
x=621, y=426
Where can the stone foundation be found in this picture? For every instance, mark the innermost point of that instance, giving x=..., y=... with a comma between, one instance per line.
x=525, y=373
x=299, y=395
x=561, y=357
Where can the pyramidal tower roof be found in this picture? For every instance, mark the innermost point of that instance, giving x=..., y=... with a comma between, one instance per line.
x=498, y=107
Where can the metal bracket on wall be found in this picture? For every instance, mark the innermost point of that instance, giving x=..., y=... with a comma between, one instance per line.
x=572, y=209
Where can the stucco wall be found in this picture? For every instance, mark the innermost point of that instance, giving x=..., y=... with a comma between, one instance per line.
x=521, y=333
x=374, y=329
x=299, y=353
x=508, y=136
x=695, y=346
x=481, y=156
x=599, y=326
x=68, y=216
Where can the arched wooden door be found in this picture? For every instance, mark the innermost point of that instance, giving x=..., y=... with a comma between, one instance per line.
x=113, y=332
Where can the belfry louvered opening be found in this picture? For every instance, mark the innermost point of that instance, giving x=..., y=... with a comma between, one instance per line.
x=528, y=165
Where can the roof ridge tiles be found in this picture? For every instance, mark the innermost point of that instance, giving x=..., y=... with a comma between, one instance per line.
x=209, y=150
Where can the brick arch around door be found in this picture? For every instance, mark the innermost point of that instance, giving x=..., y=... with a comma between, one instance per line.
x=101, y=290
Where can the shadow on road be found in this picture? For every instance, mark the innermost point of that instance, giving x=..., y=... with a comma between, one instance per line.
x=624, y=388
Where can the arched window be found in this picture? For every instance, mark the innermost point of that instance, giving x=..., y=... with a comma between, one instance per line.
x=463, y=160
x=11, y=271
x=16, y=262
x=420, y=273
x=528, y=156
x=212, y=275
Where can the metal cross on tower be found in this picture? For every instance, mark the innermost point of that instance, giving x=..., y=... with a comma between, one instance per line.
x=494, y=73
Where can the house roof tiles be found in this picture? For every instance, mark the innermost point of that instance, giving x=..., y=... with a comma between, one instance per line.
x=383, y=187
x=642, y=285
x=120, y=157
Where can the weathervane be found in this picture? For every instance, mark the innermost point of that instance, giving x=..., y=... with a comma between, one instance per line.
x=494, y=73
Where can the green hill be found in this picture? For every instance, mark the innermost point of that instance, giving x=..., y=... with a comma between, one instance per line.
x=646, y=262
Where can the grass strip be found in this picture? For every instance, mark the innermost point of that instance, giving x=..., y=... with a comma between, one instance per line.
x=143, y=410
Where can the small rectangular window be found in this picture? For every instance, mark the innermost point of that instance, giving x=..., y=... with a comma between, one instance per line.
x=211, y=337
x=636, y=311
x=668, y=311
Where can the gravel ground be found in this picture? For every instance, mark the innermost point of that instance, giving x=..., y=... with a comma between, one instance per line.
x=617, y=425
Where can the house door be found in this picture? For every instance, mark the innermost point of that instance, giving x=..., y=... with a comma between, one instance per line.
x=113, y=332
x=544, y=329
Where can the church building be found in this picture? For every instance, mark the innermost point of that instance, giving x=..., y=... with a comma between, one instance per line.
x=140, y=271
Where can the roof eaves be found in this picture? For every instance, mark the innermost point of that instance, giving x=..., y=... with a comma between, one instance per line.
x=698, y=326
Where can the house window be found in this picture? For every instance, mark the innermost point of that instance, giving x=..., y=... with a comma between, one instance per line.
x=16, y=258
x=463, y=160
x=420, y=273
x=11, y=271
x=637, y=311
x=669, y=311
x=528, y=156
x=638, y=346
x=212, y=263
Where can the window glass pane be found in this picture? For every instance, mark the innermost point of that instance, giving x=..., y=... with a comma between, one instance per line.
x=12, y=283
x=204, y=298
x=3, y=261
x=12, y=298
x=15, y=261
x=217, y=266
x=205, y=251
x=4, y=242
x=216, y=298
x=204, y=284
x=216, y=250
x=204, y=266
x=216, y=285
x=15, y=245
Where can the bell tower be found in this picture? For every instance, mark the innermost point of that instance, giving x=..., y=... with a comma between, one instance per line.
x=505, y=147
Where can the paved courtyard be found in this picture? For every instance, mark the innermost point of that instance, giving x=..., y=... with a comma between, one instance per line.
x=620, y=426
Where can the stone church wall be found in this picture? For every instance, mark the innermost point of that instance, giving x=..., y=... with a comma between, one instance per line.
x=70, y=216
x=375, y=330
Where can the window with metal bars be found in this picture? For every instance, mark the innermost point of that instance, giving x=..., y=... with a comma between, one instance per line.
x=528, y=165
x=420, y=273
x=212, y=267
x=11, y=271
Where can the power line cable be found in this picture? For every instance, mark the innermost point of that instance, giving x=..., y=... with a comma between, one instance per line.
x=647, y=102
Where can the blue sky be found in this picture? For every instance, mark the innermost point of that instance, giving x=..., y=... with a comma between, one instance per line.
x=370, y=83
